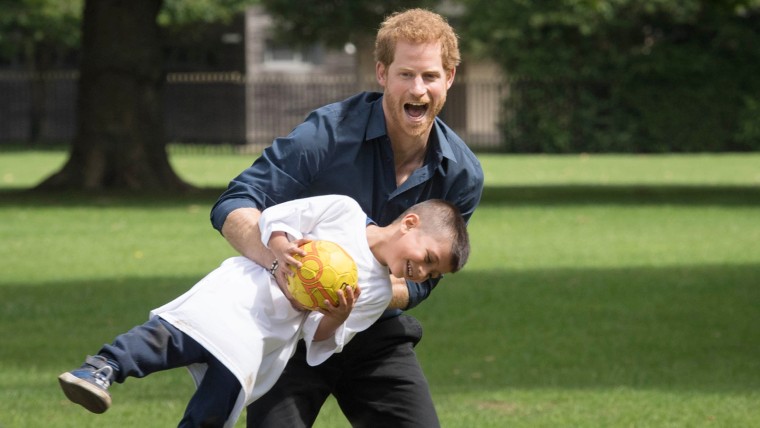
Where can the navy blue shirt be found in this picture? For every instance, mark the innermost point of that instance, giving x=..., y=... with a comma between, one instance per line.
x=343, y=148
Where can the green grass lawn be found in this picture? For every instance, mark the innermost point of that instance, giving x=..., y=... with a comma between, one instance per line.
x=603, y=291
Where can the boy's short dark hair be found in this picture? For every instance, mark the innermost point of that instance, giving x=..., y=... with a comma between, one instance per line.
x=438, y=217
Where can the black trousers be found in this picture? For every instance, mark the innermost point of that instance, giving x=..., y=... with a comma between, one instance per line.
x=376, y=380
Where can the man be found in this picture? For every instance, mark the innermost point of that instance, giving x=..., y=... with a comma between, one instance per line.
x=387, y=151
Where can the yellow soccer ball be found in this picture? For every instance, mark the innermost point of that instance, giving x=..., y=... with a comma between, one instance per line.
x=326, y=268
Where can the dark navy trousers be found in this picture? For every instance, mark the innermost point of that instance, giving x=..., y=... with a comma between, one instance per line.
x=157, y=345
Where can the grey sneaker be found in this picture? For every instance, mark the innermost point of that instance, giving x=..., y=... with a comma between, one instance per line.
x=88, y=385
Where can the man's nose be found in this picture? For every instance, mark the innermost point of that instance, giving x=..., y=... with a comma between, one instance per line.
x=418, y=86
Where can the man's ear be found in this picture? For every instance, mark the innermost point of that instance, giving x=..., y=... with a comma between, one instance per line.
x=380, y=73
x=450, y=78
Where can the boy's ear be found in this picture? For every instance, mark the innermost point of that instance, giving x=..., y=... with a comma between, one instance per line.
x=410, y=221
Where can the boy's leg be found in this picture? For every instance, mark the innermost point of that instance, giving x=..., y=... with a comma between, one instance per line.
x=145, y=349
x=157, y=345
x=214, y=399
x=151, y=347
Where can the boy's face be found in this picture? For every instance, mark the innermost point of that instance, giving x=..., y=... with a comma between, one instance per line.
x=418, y=255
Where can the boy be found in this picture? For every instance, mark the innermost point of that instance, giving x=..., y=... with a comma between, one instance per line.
x=235, y=330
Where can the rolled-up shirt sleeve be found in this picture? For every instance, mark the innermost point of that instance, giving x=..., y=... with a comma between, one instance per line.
x=282, y=173
x=419, y=291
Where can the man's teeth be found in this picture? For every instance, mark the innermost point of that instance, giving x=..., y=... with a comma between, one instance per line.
x=416, y=109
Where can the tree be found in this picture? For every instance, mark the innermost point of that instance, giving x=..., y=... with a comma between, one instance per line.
x=120, y=141
x=624, y=75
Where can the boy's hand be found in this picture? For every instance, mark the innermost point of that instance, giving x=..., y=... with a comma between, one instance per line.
x=284, y=252
x=346, y=300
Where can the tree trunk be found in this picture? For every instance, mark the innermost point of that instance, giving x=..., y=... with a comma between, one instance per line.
x=120, y=141
x=36, y=67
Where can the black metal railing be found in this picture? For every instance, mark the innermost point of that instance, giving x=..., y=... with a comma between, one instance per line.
x=228, y=108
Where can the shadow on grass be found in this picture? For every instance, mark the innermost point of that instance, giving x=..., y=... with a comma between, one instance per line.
x=492, y=195
x=685, y=328
x=141, y=199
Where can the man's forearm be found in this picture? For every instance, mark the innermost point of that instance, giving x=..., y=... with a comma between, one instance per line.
x=241, y=230
x=400, y=299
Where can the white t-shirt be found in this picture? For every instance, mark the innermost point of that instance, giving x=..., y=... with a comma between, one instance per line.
x=240, y=315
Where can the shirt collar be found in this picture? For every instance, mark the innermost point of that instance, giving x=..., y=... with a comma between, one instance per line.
x=444, y=146
x=376, y=125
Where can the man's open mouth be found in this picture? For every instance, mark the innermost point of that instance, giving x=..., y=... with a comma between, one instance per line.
x=415, y=110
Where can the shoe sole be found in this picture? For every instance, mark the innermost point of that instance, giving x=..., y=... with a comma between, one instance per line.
x=84, y=393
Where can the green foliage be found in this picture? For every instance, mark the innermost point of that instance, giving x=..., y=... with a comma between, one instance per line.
x=28, y=26
x=748, y=133
x=333, y=22
x=625, y=75
x=185, y=12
